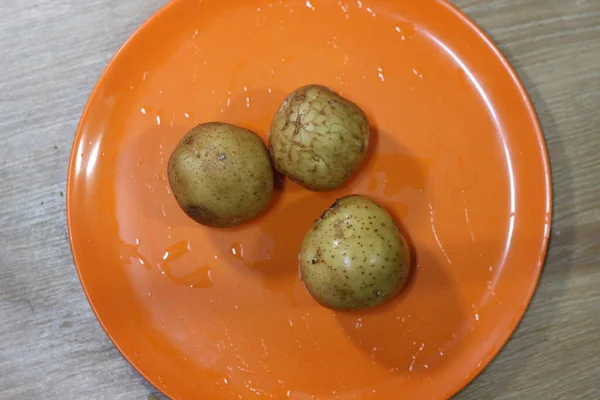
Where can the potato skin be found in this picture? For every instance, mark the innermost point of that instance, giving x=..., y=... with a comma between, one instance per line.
x=318, y=138
x=354, y=257
x=221, y=174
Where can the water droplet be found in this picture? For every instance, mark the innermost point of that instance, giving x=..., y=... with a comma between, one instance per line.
x=358, y=324
x=380, y=74
x=200, y=278
x=143, y=110
x=177, y=250
x=334, y=43
x=238, y=251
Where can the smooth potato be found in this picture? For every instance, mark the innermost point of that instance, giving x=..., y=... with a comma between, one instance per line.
x=221, y=174
x=354, y=256
x=318, y=138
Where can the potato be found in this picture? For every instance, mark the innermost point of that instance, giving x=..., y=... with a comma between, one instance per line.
x=221, y=174
x=318, y=138
x=354, y=256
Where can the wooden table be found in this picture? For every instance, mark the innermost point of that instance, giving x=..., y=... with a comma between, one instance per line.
x=52, y=52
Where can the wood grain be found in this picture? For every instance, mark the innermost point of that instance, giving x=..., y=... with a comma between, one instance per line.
x=52, y=347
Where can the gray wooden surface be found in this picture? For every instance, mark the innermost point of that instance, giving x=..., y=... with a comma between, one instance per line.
x=52, y=52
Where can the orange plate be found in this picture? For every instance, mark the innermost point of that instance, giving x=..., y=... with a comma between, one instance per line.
x=458, y=157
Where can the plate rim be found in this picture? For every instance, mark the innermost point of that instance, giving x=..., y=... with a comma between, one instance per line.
x=531, y=112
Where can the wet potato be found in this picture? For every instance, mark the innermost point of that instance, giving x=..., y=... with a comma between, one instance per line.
x=354, y=257
x=318, y=138
x=221, y=174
